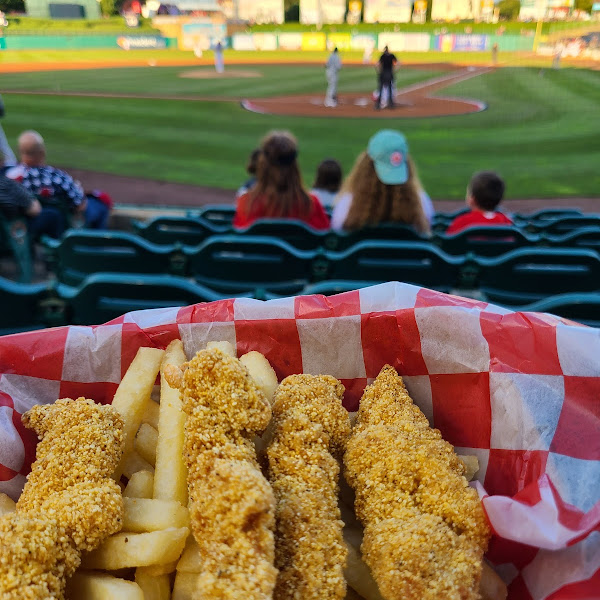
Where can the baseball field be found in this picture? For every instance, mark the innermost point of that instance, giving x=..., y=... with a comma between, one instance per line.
x=167, y=116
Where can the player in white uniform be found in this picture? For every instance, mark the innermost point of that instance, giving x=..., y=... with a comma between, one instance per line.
x=332, y=68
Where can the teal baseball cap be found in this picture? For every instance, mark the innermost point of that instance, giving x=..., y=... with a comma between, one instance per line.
x=388, y=149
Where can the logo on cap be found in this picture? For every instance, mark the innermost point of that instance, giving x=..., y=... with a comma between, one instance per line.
x=396, y=158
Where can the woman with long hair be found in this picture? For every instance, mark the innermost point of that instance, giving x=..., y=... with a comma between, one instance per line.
x=278, y=191
x=383, y=187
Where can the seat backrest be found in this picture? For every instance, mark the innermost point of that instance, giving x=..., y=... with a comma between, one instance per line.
x=83, y=252
x=21, y=306
x=294, y=232
x=486, y=240
x=410, y=262
x=567, y=224
x=234, y=262
x=190, y=231
x=217, y=214
x=529, y=274
x=14, y=237
x=580, y=307
x=105, y=296
x=587, y=237
x=397, y=232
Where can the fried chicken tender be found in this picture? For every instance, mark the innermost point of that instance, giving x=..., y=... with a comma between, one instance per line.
x=69, y=503
x=311, y=427
x=232, y=506
x=425, y=529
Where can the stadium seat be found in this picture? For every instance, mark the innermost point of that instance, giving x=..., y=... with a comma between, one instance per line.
x=217, y=214
x=563, y=225
x=294, y=232
x=27, y=306
x=580, y=307
x=83, y=252
x=531, y=274
x=410, y=262
x=586, y=237
x=14, y=239
x=396, y=232
x=441, y=220
x=334, y=286
x=545, y=215
x=171, y=230
x=105, y=296
x=233, y=263
x=485, y=240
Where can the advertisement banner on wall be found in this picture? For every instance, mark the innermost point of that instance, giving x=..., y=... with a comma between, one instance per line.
x=461, y=43
x=404, y=42
x=449, y=10
x=141, y=42
x=322, y=11
x=254, y=41
x=202, y=35
x=387, y=11
x=314, y=41
x=363, y=41
x=265, y=11
x=290, y=41
x=341, y=41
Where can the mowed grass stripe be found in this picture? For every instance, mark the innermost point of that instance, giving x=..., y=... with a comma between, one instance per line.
x=541, y=132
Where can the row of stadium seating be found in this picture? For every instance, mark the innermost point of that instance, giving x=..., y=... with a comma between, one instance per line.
x=106, y=296
x=231, y=264
x=483, y=241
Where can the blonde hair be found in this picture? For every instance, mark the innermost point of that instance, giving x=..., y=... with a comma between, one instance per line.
x=374, y=202
x=278, y=188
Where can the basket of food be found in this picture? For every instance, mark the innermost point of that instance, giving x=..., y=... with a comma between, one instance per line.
x=390, y=442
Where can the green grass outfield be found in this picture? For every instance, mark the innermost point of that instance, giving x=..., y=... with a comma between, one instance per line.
x=541, y=130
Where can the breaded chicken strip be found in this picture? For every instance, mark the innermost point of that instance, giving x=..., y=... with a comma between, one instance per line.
x=311, y=427
x=69, y=503
x=425, y=529
x=231, y=504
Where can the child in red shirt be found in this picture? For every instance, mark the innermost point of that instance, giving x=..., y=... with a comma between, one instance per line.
x=484, y=194
x=278, y=192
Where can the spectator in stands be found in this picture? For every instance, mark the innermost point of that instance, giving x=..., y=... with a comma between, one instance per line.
x=383, y=187
x=278, y=192
x=16, y=201
x=484, y=194
x=5, y=150
x=49, y=183
x=327, y=181
x=251, y=170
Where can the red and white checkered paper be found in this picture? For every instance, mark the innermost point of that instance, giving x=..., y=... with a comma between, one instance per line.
x=519, y=390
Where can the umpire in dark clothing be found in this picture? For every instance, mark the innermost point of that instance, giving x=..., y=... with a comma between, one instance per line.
x=385, y=66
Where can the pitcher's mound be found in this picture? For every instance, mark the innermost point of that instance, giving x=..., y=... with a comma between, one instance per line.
x=212, y=74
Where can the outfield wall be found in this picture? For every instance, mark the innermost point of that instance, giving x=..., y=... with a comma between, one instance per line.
x=293, y=41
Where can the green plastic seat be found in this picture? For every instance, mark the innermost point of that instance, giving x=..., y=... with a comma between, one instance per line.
x=587, y=237
x=106, y=296
x=234, y=263
x=15, y=240
x=545, y=215
x=410, y=262
x=486, y=240
x=580, y=307
x=217, y=214
x=294, y=232
x=563, y=225
x=171, y=230
x=396, y=232
x=531, y=274
x=81, y=253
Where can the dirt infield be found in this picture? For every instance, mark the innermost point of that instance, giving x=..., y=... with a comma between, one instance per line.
x=411, y=102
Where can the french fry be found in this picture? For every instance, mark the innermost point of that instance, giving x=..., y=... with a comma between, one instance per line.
x=125, y=550
x=472, y=463
x=133, y=395
x=225, y=347
x=491, y=586
x=140, y=485
x=358, y=575
x=154, y=587
x=190, y=561
x=145, y=443
x=185, y=586
x=170, y=478
x=100, y=586
x=156, y=570
x=262, y=372
x=150, y=415
x=143, y=514
x=7, y=505
x=135, y=463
